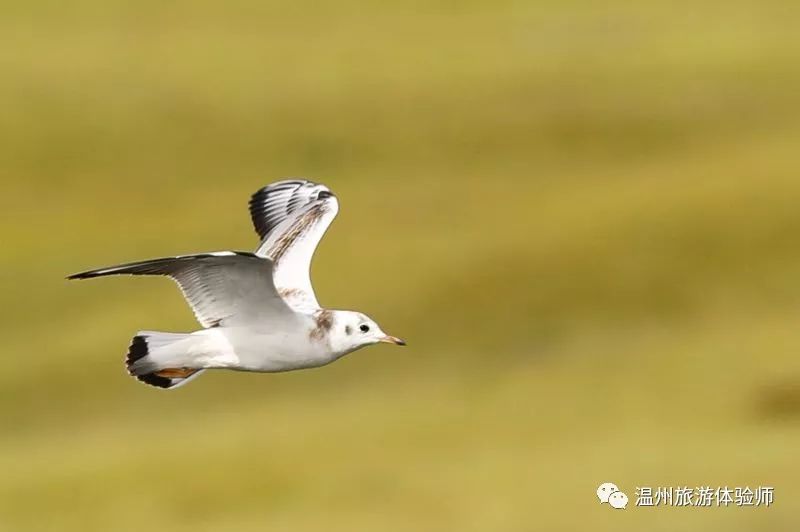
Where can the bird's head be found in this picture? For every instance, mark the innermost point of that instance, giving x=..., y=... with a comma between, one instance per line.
x=353, y=330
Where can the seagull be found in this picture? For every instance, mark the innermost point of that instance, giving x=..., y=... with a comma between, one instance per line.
x=258, y=310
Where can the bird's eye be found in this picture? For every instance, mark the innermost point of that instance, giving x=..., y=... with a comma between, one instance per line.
x=364, y=328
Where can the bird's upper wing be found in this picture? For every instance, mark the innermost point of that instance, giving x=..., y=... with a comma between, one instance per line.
x=223, y=288
x=291, y=217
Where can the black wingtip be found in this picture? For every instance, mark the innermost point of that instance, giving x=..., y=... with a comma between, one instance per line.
x=81, y=275
x=278, y=186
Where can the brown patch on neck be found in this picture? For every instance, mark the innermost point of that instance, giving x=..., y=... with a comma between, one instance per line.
x=324, y=321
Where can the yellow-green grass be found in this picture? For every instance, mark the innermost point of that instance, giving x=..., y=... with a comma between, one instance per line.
x=583, y=217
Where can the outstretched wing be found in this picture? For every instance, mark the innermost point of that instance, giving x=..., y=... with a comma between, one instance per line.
x=291, y=217
x=223, y=288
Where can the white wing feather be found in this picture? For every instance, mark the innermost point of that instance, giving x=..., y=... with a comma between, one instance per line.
x=291, y=217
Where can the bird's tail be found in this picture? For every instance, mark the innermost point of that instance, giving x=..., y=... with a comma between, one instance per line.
x=151, y=357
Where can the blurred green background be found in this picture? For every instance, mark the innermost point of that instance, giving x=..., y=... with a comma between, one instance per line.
x=583, y=217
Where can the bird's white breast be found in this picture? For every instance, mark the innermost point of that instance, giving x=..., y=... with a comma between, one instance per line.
x=283, y=349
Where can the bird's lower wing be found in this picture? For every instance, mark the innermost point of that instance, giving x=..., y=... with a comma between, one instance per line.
x=225, y=288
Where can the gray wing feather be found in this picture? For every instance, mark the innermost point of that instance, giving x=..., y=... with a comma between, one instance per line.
x=224, y=288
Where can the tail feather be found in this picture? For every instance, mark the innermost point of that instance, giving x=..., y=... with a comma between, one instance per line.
x=142, y=365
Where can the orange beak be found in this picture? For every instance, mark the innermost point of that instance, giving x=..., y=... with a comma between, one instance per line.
x=392, y=340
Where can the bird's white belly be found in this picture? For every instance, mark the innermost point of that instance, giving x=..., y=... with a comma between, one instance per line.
x=273, y=352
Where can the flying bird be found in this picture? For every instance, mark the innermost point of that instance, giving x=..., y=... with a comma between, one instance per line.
x=258, y=310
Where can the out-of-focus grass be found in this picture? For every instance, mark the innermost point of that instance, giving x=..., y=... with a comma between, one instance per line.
x=582, y=216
